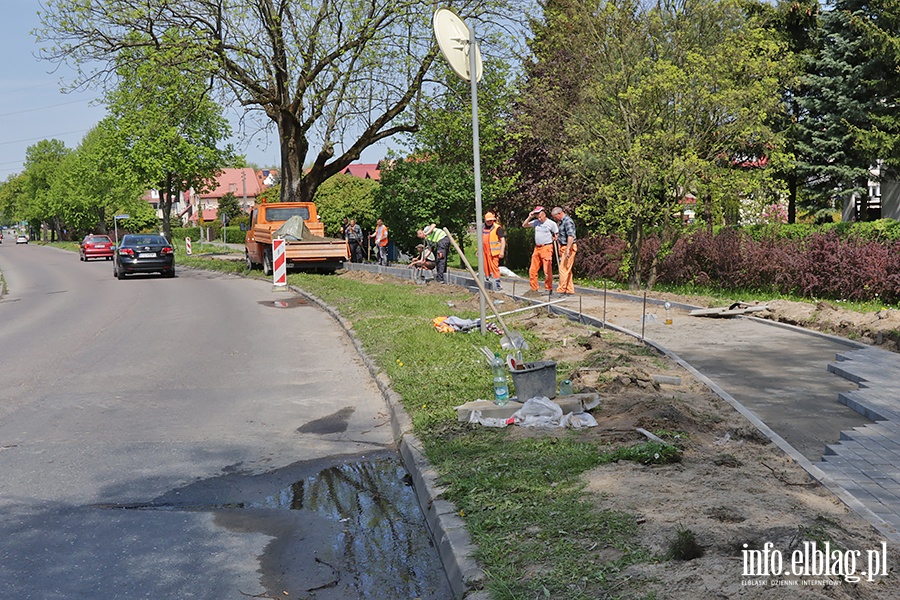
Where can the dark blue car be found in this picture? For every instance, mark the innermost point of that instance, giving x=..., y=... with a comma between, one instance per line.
x=144, y=253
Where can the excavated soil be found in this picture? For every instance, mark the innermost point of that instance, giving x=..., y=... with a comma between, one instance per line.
x=732, y=491
x=731, y=487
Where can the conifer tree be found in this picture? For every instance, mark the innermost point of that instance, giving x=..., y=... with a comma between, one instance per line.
x=852, y=88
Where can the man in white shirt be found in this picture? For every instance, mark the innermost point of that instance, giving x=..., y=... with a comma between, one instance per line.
x=545, y=231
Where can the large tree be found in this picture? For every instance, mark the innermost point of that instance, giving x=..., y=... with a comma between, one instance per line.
x=334, y=76
x=435, y=183
x=167, y=126
x=42, y=162
x=851, y=95
x=553, y=83
x=679, y=100
x=93, y=183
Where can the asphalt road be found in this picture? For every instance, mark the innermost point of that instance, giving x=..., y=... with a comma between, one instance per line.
x=186, y=438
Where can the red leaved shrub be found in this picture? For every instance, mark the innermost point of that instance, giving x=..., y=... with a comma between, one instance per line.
x=821, y=265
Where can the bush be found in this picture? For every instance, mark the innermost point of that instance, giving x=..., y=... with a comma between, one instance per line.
x=839, y=262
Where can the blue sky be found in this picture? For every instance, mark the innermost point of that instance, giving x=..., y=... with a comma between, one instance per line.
x=32, y=107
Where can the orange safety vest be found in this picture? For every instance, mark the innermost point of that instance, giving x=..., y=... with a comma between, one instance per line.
x=493, y=240
x=384, y=239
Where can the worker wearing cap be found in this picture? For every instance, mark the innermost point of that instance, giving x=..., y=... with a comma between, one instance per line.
x=567, y=249
x=493, y=244
x=545, y=231
x=439, y=242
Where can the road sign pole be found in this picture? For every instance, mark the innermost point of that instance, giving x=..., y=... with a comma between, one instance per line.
x=479, y=234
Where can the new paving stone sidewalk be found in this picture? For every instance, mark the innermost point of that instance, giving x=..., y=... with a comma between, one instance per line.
x=830, y=403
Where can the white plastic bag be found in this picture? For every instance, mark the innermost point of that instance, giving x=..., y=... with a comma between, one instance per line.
x=578, y=420
x=539, y=412
x=475, y=417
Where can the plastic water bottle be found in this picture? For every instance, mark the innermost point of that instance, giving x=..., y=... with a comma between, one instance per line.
x=501, y=386
x=565, y=388
x=668, y=307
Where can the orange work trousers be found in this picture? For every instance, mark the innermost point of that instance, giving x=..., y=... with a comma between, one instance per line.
x=491, y=266
x=491, y=263
x=565, y=270
x=542, y=257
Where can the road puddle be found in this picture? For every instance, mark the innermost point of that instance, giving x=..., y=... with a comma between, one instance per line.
x=292, y=302
x=382, y=537
x=348, y=529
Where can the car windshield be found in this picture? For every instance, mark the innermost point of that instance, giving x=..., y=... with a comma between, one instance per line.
x=144, y=240
x=99, y=239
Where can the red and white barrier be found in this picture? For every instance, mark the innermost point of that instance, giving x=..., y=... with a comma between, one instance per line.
x=279, y=264
x=187, y=245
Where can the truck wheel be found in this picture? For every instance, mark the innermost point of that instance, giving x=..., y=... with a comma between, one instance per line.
x=267, y=262
x=248, y=261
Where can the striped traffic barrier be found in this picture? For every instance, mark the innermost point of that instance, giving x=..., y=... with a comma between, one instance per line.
x=187, y=245
x=279, y=265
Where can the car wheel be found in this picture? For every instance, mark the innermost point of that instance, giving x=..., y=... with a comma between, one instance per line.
x=171, y=273
x=248, y=261
x=120, y=275
x=267, y=262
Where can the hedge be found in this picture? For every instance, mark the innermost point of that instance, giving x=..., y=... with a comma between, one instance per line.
x=849, y=263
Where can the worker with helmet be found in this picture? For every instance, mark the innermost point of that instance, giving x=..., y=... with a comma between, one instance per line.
x=493, y=244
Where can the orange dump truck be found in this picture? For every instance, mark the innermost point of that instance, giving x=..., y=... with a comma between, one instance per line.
x=306, y=247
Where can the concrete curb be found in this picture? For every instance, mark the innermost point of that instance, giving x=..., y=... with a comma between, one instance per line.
x=447, y=528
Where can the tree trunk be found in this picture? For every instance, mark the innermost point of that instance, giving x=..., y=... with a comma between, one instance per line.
x=165, y=204
x=635, y=243
x=792, y=196
x=293, y=152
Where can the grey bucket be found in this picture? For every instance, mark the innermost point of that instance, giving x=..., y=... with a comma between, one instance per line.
x=535, y=380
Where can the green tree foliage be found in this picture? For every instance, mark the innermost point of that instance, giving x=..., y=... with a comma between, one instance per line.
x=418, y=191
x=436, y=183
x=93, y=183
x=346, y=196
x=12, y=194
x=445, y=135
x=36, y=205
x=678, y=101
x=334, y=77
x=229, y=206
x=796, y=22
x=168, y=127
x=554, y=81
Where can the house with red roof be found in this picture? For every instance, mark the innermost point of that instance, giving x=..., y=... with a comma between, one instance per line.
x=244, y=184
x=363, y=171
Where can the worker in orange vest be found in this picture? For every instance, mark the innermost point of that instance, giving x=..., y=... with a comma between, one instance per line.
x=493, y=244
x=381, y=242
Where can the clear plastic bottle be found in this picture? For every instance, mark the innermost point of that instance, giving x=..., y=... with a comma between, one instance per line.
x=501, y=385
x=565, y=388
x=668, y=307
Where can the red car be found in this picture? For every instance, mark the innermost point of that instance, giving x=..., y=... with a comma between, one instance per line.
x=96, y=246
